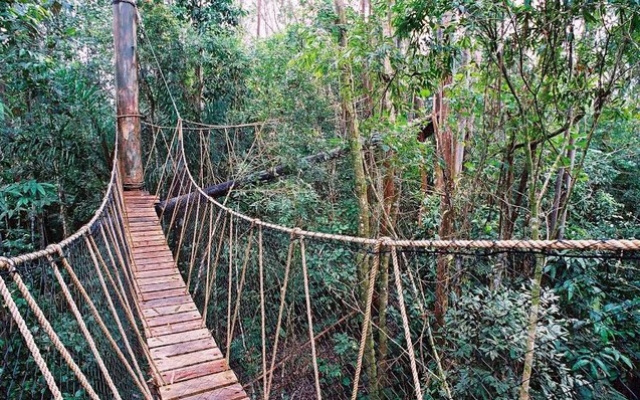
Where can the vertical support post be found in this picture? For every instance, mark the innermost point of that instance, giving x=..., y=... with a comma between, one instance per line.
x=128, y=120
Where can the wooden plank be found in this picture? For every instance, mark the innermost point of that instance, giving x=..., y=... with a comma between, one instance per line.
x=162, y=270
x=153, y=250
x=184, y=360
x=147, y=260
x=181, y=327
x=141, y=210
x=194, y=371
x=167, y=302
x=145, y=253
x=156, y=268
x=136, y=226
x=178, y=338
x=164, y=294
x=148, y=240
x=173, y=319
x=184, y=306
x=140, y=218
x=198, y=385
x=232, y=392
x=162, y=286
x=154, y=258
x=173, y=350
x=175, y=276
x=138, y=237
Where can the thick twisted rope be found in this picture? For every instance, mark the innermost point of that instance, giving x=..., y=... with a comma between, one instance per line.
x=83, y=328
x=405, y=323
x=55, y=339
x=533, y=245
x=307, y=297
x=283, y=295
x=28, y=338
x=96, y=314
x=367, y=315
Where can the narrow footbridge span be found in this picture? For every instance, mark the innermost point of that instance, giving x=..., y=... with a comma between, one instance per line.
x=188, y=363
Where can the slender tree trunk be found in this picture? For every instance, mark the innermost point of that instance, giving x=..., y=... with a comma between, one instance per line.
x=446, y=166
x=259, y=17
x=360, y=182
x=388, y=213
x=536, y=283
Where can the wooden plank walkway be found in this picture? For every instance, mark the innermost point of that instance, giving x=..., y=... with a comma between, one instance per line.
x=189, y=363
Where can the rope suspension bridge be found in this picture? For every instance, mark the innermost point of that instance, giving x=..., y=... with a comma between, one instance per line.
x=112, y=312
x=173, y=294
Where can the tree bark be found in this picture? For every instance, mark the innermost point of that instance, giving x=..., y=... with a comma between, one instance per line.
x=360, y=183
x=128, y=119
x=446, y=166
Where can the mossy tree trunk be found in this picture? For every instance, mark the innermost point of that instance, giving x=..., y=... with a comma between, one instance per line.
x=360, y=183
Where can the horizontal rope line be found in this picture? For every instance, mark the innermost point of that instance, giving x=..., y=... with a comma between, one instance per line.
x=601, y=244
x=52, y=249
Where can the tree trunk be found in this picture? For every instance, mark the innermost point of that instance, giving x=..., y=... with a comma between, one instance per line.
x=360, y=183
x=259, y=17
x=446, y=166
x=387, y=221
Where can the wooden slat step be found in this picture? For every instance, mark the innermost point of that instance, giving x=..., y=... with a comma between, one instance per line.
x=173, y=319
x=160, y=279
x=141, y=209
x=162, y=286
x=146, y=225
x=164, y=294
x=153, y=250
x=232, y=392
x=178, y=338
x=147, y=263
x=168, y=309
x=194, y=371
x=163, y=269
x=143, y=254
x=198, y=385
x=163, y=259
x=180, y=327
x=173, y=350
x=141, y=237
x=167, y=302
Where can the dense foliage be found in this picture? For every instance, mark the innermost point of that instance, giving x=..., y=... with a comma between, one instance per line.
x=494, y=120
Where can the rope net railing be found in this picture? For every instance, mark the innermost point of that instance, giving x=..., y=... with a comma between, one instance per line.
x=70, y=327
x=315, y=315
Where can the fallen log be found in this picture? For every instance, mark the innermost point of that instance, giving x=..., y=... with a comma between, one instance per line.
x=266, y=175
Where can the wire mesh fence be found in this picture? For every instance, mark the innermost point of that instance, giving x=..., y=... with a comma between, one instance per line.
x=448, y=321
x=249, y=281
x=69, y=326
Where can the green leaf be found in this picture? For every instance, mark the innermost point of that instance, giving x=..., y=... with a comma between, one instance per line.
x=580, y=364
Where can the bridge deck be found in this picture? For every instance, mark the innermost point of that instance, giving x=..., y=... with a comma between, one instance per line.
x=189, y=363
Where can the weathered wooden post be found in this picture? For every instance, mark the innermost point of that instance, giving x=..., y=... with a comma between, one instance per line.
x=124, y=33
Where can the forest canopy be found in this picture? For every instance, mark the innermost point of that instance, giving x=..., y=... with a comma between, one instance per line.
x=453, y=120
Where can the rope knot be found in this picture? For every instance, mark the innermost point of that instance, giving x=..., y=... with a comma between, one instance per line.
x=56, y=248
x=256, y=221
x=5, y=263
x=296, y=232
x=385, y=241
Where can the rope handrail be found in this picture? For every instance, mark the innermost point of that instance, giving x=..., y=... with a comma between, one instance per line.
x=524, y=244
x=52, y=249
x=52, y=322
